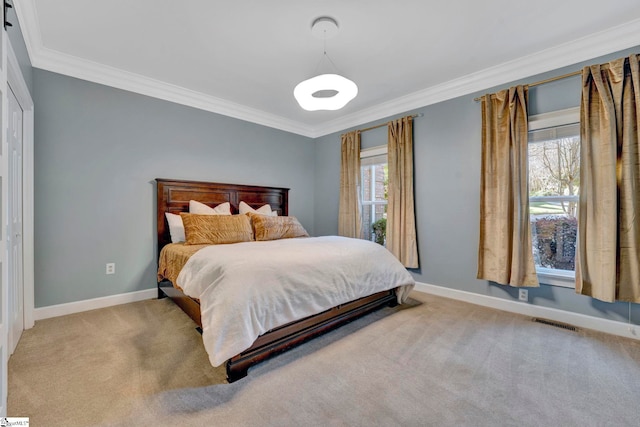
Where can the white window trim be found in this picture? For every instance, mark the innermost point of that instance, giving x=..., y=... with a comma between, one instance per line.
x=373, y=151
x=552, y=276
x=554, y=118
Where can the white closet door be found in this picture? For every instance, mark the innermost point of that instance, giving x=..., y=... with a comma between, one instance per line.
x=4, y=214
x=14, y=229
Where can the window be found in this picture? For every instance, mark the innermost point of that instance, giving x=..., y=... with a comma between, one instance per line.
x=373, y=193
x=554, y=188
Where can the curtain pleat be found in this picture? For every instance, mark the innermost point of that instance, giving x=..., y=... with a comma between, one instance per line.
x=505, y=252
x=349, y=216
x=401, y=223
x=608, y=253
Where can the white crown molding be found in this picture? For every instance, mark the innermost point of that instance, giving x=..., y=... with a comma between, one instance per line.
x=580, y=320
x=98, y=73
x=58, y=62
x=30, y=26
x=611, y=40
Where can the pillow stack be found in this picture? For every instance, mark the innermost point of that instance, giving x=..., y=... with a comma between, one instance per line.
x=204, y=225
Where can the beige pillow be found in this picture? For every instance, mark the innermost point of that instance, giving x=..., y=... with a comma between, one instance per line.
x=244, y=208
x=199, y=208
x=276, y=227
x=216, y=229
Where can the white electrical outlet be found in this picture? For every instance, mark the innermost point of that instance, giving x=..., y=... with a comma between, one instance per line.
x=523, y=295
x=111, y=268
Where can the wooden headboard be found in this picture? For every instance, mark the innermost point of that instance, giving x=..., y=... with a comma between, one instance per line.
x=174, y=195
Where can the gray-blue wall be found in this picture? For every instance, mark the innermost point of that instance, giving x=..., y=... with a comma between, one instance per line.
x=98, y=149
x=97, y=152
x=447, y=149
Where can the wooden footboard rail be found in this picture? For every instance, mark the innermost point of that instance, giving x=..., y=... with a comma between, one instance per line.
x=290, y=335
x=287, y=336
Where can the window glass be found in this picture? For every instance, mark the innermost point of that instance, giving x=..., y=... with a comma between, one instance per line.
x=554, y=188
x=374, y=185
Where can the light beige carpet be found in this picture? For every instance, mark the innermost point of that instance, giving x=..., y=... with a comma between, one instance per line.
x=435, y=362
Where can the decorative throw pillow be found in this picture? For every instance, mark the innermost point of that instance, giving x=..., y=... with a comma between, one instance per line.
x=196, y=207
x=176, y=228
x=276, y=227
x=216, y=229
x=262, y=210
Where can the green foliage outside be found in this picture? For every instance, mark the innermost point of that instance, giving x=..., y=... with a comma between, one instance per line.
x=380, y=230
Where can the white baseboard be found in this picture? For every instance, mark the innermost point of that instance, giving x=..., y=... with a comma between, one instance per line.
x=92, y=304
x=576, y=319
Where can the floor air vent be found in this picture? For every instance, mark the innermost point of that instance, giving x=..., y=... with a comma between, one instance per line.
x=556, y=324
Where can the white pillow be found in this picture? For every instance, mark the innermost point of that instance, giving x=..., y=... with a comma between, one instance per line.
x=176, y=228
x=202, y=209
x=262, y=210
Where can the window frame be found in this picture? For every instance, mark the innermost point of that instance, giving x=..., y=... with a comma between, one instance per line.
x=551, y=276
x=379, y=150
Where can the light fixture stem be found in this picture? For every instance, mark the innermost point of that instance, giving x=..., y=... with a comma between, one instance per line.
x=326, y=55
x=324, y=42
x=334, y=65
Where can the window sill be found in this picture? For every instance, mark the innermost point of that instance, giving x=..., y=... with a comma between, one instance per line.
x=562, y=278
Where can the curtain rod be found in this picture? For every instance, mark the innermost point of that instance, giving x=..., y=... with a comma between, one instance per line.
x=549, y=80
x=384, y=124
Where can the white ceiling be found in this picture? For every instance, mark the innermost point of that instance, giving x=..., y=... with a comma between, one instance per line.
x=243, y=58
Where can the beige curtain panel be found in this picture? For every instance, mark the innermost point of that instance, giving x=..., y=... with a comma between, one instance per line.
x=505, y=252
x=608, y=253
x=401, y=222
x=349, y=216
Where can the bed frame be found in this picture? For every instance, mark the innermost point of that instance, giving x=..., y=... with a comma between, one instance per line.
x=173, y=196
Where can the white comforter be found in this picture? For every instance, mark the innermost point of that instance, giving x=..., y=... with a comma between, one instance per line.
x=246, y=289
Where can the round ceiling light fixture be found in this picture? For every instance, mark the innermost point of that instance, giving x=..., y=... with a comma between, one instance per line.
x=311, y=93
x=329, y=91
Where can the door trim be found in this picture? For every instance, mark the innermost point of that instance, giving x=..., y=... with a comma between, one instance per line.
x=20, y=89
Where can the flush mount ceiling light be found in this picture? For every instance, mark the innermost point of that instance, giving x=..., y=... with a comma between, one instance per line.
x=325, y=91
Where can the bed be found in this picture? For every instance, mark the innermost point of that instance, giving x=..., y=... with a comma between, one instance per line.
x=173, y=196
